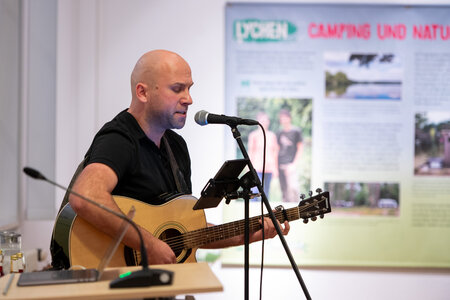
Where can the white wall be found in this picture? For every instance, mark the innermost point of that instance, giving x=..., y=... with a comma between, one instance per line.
x=98, y=45
x=9, y=110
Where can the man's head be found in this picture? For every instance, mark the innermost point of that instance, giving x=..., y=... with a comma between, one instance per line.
x=263, y=119
x=285, y=119
x=160, y=84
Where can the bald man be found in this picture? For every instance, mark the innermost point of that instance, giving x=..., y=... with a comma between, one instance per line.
x=130, y=155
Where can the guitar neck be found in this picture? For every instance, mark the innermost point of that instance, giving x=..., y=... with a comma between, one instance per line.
x=204, y=236
x=310, y=208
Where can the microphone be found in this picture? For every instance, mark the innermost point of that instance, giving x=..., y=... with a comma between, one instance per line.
x=140, y=278
x=204, y=118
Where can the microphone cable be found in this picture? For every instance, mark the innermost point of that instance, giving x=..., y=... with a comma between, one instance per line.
x=262, y=212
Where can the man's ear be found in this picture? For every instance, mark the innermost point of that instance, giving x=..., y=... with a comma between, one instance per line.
x=141, y=92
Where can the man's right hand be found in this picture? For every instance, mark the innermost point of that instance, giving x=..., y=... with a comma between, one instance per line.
x=158, y=252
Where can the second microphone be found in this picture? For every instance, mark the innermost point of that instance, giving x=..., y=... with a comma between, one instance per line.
x=203, y=117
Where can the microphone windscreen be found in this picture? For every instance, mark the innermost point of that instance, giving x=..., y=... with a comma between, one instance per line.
x=33, y=173
x=201, y=117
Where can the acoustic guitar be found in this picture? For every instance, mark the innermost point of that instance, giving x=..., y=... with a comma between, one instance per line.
x=175, y=222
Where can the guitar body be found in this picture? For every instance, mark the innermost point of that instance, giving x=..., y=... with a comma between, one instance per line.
x=76, y=242
x=85, y=245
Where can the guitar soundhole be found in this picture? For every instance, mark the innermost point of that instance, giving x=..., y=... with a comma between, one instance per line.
x=132, y=257
x=171, y=237
x=176, y=242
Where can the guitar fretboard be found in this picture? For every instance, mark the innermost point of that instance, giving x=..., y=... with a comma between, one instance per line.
x=204, y=236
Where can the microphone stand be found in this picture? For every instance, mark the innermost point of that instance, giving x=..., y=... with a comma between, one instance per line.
x=140, y=278
x=237, y=137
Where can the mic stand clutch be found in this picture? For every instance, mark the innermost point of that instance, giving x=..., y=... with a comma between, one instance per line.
x=140, y=278
x=237, y=137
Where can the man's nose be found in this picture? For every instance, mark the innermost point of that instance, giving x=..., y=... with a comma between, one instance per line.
x=187, y=99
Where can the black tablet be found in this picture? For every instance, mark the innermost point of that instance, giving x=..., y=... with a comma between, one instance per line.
x=226, y=181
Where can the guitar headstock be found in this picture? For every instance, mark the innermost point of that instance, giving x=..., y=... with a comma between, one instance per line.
x=314, y=206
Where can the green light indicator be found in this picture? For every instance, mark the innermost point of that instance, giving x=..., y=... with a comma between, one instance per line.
x=125, y=274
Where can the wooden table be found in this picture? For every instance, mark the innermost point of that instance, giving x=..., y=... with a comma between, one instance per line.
x=189, y=278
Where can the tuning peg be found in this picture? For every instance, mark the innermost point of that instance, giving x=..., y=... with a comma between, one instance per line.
x=321, y=216
x=313, y=219
x=318, y=190
x=302, y=196
x=305, y=221
x=310, y=193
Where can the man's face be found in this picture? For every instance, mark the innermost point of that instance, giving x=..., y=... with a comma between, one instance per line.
x=285, y=121
x=263, y=119
x=170, y=96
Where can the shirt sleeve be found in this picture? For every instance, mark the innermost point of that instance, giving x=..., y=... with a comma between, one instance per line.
x=114, y=150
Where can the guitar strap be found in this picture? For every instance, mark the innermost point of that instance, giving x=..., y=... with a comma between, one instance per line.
x=177, y=175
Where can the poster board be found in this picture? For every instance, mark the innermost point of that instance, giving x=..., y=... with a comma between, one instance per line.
x=368, y=88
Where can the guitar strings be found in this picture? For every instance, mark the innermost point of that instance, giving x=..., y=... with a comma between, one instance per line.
x=209, y=234
x=228, y=230
x=220, y=232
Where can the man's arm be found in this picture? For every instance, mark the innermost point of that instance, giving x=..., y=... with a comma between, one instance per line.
x=253, y=151
x=97, y=181
x=272, y=153
x=298, y=154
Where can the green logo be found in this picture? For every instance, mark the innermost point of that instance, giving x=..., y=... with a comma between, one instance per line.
x=253, y=30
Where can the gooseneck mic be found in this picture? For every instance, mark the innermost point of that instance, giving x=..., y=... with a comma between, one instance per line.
x=141, y=278
x=204, y=118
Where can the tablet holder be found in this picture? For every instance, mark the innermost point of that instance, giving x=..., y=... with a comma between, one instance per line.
x=227, y=183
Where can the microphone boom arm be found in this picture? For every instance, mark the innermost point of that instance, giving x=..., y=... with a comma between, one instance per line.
x=140, y=278
x=144, y=259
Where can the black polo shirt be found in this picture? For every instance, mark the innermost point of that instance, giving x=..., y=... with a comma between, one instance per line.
x=143, y=169
x=288, y=140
